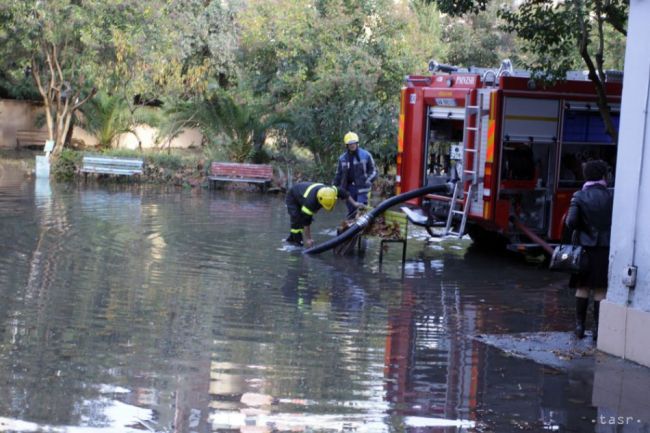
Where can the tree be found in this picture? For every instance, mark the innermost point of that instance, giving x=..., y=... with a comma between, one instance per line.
x=108, y=116
x=334, y=66
x=71, y=48
x=477, y=40
x=558, y=36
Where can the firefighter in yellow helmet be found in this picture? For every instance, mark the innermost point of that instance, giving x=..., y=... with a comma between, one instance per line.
x=355, y=171
x=304, y=200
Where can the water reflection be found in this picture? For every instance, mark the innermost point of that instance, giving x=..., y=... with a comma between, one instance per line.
x=177, y=310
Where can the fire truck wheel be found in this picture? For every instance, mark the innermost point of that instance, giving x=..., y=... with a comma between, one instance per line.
x=486, y=240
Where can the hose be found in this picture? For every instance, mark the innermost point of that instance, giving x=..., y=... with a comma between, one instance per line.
x=365, y=220
x=533, y=237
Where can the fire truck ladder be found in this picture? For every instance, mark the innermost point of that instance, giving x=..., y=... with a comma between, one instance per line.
x=460, y=199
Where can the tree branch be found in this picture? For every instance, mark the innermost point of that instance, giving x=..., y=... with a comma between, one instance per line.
x=84, y=100
x=615, y=16
x=601, y=41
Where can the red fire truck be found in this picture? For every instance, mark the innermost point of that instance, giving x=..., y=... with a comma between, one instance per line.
x=512, y=148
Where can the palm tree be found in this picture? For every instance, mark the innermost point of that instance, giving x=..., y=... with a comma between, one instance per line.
x=108, y=116
x=240, y=126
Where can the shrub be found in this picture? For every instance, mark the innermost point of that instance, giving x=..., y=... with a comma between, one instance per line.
x=65, y=166
x=165, y=160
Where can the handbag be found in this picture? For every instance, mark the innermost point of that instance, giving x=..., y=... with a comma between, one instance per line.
x=570, y=258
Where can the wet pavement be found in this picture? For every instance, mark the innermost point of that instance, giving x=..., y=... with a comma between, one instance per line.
x=127, y=308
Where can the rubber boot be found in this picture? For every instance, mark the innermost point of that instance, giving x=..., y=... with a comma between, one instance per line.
x=581, y=316
x=594, y=332
x=295, y=239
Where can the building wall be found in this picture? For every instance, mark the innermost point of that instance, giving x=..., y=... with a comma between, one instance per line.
x=148, y=136
x=625, y=314
x=22, y=115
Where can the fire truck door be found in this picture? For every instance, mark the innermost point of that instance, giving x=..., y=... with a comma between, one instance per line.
x=528, y=159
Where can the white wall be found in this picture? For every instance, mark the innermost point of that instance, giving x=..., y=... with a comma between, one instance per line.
x=625, y=315
x=149, y=138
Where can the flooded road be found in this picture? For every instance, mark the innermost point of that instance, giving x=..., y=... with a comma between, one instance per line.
x=126, y=308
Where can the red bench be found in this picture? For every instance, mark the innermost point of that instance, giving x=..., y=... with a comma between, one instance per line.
x=260, y=174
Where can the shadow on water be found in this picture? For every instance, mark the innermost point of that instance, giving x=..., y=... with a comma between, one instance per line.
x=126, y=308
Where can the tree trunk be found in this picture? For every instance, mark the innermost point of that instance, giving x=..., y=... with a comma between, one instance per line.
x=596, y=74
x=601, y=93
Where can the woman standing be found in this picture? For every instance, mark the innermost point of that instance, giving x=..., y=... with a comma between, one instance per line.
x=590, y=217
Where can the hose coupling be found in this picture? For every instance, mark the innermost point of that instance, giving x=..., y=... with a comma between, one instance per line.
x=362, y=221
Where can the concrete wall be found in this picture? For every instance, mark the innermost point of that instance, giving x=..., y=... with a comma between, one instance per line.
x=22, y=115
x=625, y=314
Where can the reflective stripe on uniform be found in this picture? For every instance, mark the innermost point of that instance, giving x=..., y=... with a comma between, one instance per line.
x=296, y=230
x=309, y=188
x=305, y=209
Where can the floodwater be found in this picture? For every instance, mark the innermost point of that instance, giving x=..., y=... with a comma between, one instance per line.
x=129, y=309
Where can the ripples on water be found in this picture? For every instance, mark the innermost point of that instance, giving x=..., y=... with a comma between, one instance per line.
x=127, y=308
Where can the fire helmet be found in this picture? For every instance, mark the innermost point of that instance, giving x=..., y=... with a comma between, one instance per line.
x=326, y=197
x=350, y=137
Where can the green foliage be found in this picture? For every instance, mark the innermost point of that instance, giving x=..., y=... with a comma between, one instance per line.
x=106, y=116
x=64, y=168
x=560, y=36
x=335, y=67
x=233, y=128
x=477, y=40
x=125, y=48
x=165, y=160
x=15, y=85
x=125, y=153
x=460, y=7
x=207, y=42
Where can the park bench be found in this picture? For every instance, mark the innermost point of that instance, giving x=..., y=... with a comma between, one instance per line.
x=260, y=174
x=111, y=165
x=31, y=138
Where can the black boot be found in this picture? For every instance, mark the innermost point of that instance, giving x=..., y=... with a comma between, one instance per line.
x=295, y=239
x=594, y=332
x=581, y=316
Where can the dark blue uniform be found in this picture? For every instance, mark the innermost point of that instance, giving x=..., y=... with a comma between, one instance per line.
x=355, y=173
x=302, y=203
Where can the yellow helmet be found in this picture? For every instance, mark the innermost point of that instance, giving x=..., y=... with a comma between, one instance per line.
x=350, y=137
x=326, y=197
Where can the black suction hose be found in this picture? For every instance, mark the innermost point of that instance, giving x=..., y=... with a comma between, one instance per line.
x=363, y=221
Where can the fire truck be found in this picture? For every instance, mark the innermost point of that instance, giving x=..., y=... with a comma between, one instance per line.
x=511, y=146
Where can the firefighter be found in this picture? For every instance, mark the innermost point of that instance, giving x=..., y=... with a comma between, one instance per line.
x=304, y=200
x=355, y=172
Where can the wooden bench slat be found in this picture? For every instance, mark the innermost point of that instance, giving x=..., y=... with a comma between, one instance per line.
x=240, y=172
x=31, y=138
x=238, y=179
